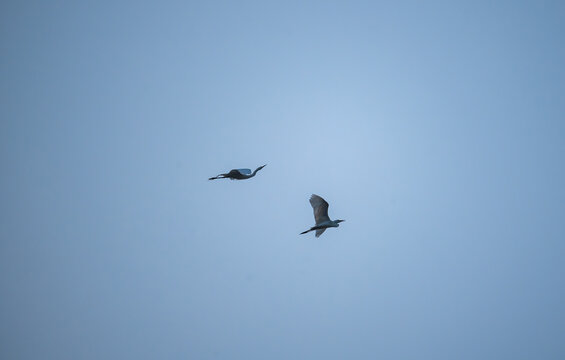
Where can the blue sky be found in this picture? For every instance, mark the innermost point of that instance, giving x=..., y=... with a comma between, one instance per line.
x=435, y=129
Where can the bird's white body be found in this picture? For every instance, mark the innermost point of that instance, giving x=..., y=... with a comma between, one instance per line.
x=327, y=224
x=330, y=223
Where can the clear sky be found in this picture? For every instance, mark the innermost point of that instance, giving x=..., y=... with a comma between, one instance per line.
x=435, y=128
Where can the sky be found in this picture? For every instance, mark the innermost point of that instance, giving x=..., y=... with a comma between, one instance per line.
x=435, y=129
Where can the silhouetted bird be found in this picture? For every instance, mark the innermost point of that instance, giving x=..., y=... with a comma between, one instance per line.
x=238, y=174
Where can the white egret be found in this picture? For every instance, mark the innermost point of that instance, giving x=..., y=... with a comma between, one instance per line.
x=323, y=221
x=238, y=174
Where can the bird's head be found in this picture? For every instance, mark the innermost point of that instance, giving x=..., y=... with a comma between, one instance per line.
x=338, y=221
x=262, y=166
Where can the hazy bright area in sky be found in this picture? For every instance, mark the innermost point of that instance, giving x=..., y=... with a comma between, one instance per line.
x=436, y=129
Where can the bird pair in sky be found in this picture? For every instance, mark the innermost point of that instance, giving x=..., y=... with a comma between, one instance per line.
x=319, y=205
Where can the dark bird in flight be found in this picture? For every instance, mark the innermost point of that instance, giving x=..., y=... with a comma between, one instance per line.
x=238, y=174
x=323, y=221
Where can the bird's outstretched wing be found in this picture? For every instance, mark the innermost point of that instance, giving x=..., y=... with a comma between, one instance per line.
x=320, y=232
x=320, y=207
x=244, y=171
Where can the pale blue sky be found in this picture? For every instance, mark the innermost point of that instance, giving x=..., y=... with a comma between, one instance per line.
x=436, y=129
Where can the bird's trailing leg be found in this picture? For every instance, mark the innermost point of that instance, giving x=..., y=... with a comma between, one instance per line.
x=221, y=176
x=311, y=229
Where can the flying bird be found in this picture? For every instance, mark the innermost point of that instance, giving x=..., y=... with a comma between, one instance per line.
x=238, y=174
x=323, y=221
